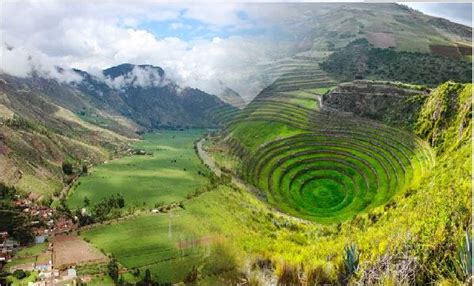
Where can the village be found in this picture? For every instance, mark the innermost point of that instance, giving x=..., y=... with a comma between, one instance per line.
x=56, y=252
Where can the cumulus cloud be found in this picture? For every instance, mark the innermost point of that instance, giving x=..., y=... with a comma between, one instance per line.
x=23, y=63
x=94, y=36
x=138, y=77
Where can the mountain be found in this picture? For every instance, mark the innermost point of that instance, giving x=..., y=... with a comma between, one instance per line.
x=231, y=97
x=330, y=26
x=146, y=95
x=338, y=42
x=360, y=59
x=45, y=122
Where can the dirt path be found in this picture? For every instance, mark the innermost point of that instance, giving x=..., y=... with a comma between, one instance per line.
x=207, y=160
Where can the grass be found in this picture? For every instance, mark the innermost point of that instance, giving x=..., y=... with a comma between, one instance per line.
x=254, y=133
x=33, y=250
x=23, y=282
x=151, y=241
x=19, y=261
x=319, y=166
x=144, y=180
x=420, y=216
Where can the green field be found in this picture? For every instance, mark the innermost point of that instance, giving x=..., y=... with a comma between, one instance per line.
x=322, y=166
x=151, y=241
x=145, y=180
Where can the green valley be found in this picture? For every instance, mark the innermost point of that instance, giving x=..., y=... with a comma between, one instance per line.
x=166, y=171
x=235, y=144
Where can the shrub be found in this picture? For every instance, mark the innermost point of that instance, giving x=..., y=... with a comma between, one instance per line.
x=113, y=269
x=67, y=168
x=221, y=259
x=19, y=274
x=319, y=276
x=192, y=276
x=288, y=275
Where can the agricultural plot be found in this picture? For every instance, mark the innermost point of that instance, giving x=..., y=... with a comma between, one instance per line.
x=71, y=250
x=167, y=174
x=330, y=166
x=155, y=242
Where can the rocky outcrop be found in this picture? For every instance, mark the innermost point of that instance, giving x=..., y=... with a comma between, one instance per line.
x=392, y=103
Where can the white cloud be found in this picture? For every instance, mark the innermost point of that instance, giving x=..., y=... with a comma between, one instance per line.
x=93, y=36
x=138, y=77
x=23, y=63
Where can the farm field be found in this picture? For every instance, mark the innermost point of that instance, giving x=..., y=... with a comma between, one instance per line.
x=169, y=245
x=72, y=250
x=168, y=175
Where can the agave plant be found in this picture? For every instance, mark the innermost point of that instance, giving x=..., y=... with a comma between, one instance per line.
x=465, y=257
x=351, y=259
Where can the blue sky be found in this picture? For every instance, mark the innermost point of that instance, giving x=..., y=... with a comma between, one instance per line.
x=456, y=12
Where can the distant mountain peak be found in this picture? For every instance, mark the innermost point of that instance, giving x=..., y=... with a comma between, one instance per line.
x=135, y=76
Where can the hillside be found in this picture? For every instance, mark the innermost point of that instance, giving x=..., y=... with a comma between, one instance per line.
x=361, y=60
x=339, y=42
x=45, y=123
x=352, y=165
x=144, y=94
x=298, y=148
x=330, y=26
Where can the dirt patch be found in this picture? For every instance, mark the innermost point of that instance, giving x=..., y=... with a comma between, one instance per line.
x=446, y=51
x=69, y=250
x=381, y=40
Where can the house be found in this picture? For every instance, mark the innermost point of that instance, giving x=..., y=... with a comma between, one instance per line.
x=5, y=255
x=71, y=273
x=3, y=235
x=9, y=244
x=40, y=239
x=44, y=266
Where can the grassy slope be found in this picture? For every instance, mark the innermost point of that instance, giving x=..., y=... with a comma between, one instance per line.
x=147, y=179
x=360, y=59
x=149, y=241
x=425, y=223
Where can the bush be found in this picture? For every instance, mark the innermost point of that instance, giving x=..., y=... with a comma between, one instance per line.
x=19, y=274
x=288, y=275
x=113, y=269
x=221, y=259
x=319, y=276
x=67, y=168
x=192, y=276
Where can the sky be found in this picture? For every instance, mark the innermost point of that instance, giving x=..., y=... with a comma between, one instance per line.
x=209, y=46
x=456, y=12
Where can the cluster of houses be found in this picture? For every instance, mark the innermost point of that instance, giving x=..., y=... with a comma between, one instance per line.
x=47, y=275
x=45, y=220
x=7, y=246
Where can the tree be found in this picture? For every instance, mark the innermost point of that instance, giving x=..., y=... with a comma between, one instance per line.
x=19, y=274
x=86, y=202
x=84, y=169
x=113, y=269
x=67, y=168
x=147, y=278
x=63, y=207
x=120, y=201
